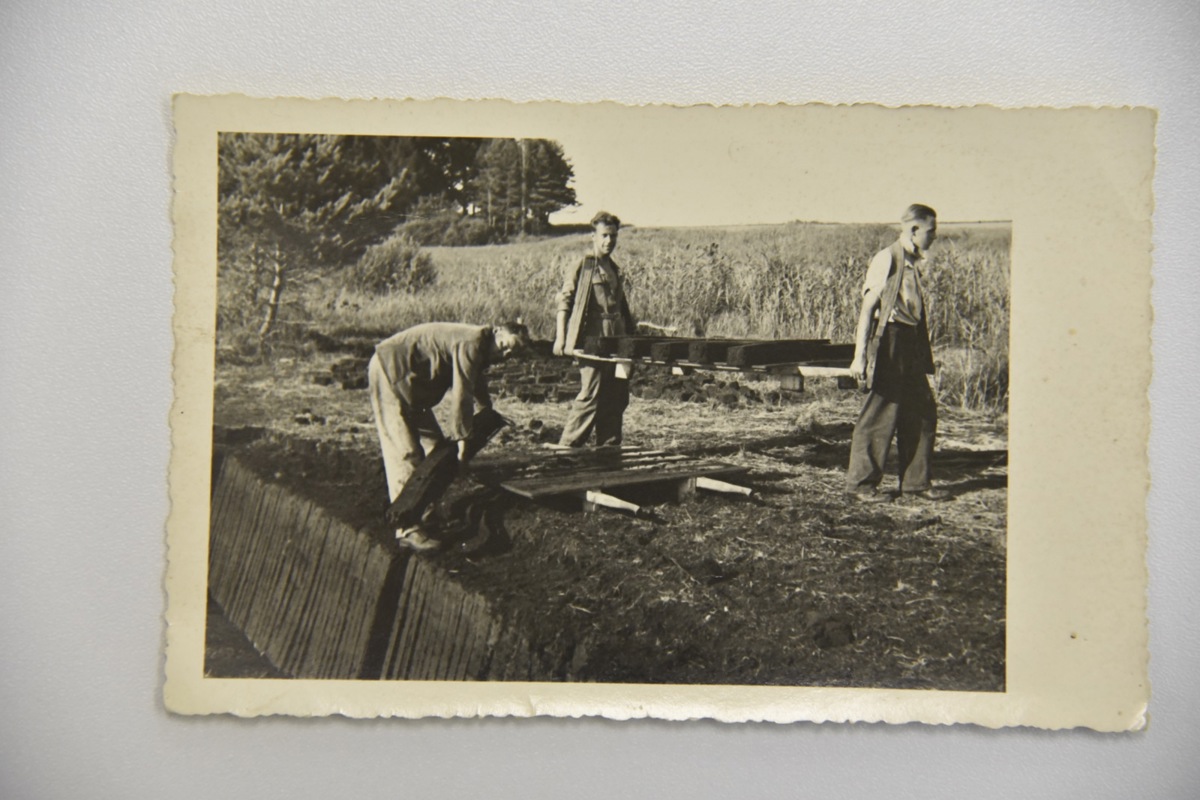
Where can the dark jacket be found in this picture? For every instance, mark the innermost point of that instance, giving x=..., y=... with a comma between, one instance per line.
x=426, y=361
x=594, y=302
x=891, y=290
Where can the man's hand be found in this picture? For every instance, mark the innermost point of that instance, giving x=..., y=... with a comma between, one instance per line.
x=557, y=348
x=462, y=451
x=858, y=367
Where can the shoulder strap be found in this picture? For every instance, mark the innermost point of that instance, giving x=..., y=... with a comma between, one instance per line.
x=586, y=271
x=583, y=296
x=891, y=289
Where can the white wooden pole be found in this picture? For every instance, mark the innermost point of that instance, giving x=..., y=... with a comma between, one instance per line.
x=714, y=485
x=596, y=498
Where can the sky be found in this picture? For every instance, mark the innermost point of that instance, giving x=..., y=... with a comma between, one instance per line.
x=705, y=166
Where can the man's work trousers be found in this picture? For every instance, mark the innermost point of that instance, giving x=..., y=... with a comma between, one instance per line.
x=600, y=405
x=900, y=405
x=405, y=434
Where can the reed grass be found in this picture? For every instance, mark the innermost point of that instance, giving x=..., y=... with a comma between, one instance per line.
x=798, y=280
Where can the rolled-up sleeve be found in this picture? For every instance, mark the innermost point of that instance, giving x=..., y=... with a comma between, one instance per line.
x=877, y=273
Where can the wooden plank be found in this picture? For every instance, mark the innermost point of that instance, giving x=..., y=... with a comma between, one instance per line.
x=807, y=370
x=794, y=350
x=714, y=485
x=837, y=353
x=535, y=463
x=535, y=489
x=494, y=475
x=602, y=469
x=593, y=500
x=825, y=372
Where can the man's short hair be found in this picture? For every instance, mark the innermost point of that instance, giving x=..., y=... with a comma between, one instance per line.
x=918, y=213
x=518, y=330
x=605, y=218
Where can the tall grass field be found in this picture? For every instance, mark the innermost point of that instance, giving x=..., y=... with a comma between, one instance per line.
x=795, y=280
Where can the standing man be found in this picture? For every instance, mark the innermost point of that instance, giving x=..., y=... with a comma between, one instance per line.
x=411, y=372
x=893, y=356
x=592, y=303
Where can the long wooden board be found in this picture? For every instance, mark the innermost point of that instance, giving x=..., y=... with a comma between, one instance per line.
x=560, y=472
x=550, y=486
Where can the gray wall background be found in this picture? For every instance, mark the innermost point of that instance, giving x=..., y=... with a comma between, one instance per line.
x=85, y=383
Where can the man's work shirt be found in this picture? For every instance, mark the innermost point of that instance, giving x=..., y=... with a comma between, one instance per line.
x=604, y=316
x=909, y=304
x=426, y=361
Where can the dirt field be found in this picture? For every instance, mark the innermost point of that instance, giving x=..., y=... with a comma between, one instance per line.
x=798, y=585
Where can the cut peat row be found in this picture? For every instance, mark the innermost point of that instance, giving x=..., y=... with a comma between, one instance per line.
x=320, y=598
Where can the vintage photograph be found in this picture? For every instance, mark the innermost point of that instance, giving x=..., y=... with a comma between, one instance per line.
x=565, y=400
x=614, y=451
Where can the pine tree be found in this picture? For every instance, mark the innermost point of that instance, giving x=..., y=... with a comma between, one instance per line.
x=308, y=200
x=521, y=183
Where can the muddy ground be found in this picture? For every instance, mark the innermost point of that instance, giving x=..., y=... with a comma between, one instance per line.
x=796, y=586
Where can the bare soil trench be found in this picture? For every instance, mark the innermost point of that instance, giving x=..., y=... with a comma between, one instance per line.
x=798, y=585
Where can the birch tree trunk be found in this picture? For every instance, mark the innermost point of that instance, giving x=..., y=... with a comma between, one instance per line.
x=277, y=265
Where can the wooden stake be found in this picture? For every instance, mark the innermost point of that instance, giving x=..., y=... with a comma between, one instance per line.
x=714, y=485
x=593, y=499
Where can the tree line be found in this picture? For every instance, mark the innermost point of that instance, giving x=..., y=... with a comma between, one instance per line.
x=288, y=202
x=347, y=192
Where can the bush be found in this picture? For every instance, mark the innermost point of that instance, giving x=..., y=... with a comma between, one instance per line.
x=448, y=229
x=395, y=265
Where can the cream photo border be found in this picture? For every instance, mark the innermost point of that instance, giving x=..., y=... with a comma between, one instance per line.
x=1077, y=186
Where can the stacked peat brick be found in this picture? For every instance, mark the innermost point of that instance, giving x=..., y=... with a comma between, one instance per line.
x=542, y=377
x=320, y=599
x=722, y=353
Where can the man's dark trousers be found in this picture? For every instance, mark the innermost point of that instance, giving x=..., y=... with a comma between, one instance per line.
x=600, y=405
x=899, y=405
